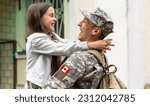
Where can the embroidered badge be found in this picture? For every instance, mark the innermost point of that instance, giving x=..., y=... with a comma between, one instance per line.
x=62, y=72
x=65, y=69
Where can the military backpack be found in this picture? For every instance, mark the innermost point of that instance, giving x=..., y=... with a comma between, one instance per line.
x=108, y=80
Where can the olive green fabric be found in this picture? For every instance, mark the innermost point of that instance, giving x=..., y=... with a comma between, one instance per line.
x=109, y=80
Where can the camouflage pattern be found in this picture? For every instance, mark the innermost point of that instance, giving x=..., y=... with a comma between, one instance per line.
x=100, y=18
x=30, y=85
x=82, y=71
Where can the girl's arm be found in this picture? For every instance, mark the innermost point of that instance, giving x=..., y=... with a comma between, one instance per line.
x=44, y=45
x=100, y=44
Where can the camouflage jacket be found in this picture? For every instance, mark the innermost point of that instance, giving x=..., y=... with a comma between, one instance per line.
x=80, y=71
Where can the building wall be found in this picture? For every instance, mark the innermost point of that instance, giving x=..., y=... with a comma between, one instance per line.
x=6, y=66
x=7, y=31
x=11, y=27
x=146, y=40
x=20, y=38
x=21, y=72
x=20, y=24
x=136, y=43
x=7, y=19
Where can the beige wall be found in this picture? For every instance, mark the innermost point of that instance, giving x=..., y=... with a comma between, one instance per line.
x=146, y=39
x=21, y=72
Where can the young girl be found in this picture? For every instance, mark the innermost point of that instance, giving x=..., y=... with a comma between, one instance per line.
x=43, y=45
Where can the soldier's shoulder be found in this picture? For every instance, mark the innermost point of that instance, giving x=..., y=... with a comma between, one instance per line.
x=82, y=54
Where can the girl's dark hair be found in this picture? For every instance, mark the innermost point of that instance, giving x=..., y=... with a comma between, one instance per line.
x=55, y=64
x=34, y=15
x=33, y=18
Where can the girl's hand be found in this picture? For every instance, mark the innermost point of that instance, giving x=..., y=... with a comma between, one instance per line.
x=101, y=45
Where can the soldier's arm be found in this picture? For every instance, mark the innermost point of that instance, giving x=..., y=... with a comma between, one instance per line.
x=72, y=69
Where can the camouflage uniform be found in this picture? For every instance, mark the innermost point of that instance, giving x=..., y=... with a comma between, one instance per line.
x=80, y=71
x=30, y=85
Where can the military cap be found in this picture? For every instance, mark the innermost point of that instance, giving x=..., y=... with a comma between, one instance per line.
x=100, y=18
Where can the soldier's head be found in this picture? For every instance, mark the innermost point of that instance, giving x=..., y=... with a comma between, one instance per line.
x=96, y=25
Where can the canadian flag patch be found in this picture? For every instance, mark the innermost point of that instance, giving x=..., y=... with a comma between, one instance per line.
x=62, y=72
x=64, y=69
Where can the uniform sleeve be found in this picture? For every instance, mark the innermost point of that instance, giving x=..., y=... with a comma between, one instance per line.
x=68, y=73
x=49, y=47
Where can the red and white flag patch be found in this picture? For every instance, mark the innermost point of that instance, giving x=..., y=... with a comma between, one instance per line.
x=64, y=69
x=62, y=72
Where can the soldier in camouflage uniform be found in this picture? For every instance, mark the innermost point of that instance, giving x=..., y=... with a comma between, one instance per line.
x=82, y=70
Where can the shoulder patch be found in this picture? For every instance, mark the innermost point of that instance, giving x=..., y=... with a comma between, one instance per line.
x=62, y=72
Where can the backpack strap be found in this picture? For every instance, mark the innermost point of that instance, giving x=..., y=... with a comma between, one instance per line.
x=102, y=59
x=100, y=56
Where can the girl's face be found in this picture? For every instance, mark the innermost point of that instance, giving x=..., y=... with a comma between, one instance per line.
x=48, y=20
